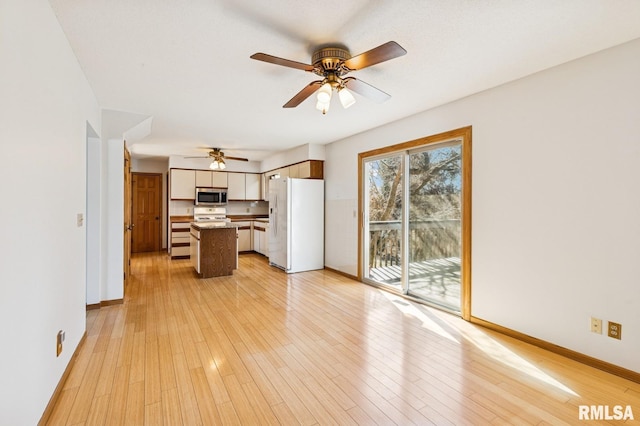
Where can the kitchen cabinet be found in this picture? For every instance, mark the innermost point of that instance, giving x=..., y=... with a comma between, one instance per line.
x=210, y=179
x=203, y=178
x=219, y=179
x=283, y=172
x=182, y=184
x=304, y=170
x=180, y=239
x=264, y=186
x=244, y=235
x=261, y=237
x=252, y=186
x=264, y=242
x=213, y=250
x=312, y=169
x=294, y=170
x=243, y=186
x=236, y=189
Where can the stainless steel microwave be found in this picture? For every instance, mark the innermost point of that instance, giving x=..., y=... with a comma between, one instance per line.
x=211, y=196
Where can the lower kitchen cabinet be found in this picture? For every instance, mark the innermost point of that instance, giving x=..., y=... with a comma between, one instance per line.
x=180, y=239
x=244, y=236
x=261, y=237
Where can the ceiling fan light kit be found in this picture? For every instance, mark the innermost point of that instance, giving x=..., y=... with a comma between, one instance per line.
x=332, y=64
x=217, y=164
x=218, y=159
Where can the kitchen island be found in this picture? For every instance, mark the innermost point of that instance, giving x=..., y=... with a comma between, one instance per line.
x=213, y=248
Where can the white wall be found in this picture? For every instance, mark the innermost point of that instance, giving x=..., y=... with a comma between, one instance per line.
x=114, y=288
x=45, y=104
x=556, y=200
x=94, y=220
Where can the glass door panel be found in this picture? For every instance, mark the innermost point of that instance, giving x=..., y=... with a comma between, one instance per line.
x=435, y=213
x=383, y=221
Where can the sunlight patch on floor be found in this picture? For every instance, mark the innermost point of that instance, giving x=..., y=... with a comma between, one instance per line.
x=480, y=339
x=410, y=309
x=506, y=356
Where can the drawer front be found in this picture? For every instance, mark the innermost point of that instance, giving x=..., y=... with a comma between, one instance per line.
x=180, y=225
x=180, y=238
x=180, y=251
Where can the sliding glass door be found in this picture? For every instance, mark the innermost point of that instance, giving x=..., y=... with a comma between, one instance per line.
x=414, y=229
x=383, y=186
x=435, y=182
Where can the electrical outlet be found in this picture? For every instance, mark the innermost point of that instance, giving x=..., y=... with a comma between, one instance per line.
x=188, y=210
x=615, y=330
x=59, y=340
x=596, y=325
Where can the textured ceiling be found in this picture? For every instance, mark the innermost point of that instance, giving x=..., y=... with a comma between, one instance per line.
x=186, y=64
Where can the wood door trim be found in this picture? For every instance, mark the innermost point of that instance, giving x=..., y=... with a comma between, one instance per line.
x=465, y=134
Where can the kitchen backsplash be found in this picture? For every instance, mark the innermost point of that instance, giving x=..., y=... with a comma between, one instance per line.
x=247, y=207
x=185, y=208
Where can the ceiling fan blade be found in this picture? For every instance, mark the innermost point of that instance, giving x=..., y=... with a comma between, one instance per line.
x=226, y=157
x=303, y=94
x=382, y=53
x=366, y=90
x=196, y=157
x=280, y=61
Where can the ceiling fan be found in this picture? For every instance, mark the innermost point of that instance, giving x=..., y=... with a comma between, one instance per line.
x=332, y=64
x=218, y=159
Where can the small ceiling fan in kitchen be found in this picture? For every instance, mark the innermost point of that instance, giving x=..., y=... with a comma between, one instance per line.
x=218, y=159
x=333, y=63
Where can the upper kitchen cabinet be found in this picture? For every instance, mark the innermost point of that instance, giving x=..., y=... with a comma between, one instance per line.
x=312, y=169
x=252, y=186
x=236, y=186
x=209, y=179
x=203, y=178
x=182, y=184
x=219, y=179
x=243, y=186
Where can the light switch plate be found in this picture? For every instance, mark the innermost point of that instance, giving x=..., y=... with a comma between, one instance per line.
x=80, y=220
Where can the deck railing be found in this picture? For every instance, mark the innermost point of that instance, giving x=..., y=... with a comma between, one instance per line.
x=428, y=239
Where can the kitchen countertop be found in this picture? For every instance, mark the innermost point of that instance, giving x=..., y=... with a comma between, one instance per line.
x=181, y=218
x=212, y=225
x=247, y=216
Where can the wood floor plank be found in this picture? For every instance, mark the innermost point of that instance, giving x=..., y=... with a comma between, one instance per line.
x=171, y=413
x=98, y=412
x=134, y=411
x=266, y=347
x=188, y=403
x=206, y=405
x=118, y=396
x=153, y=414
x=86, y=391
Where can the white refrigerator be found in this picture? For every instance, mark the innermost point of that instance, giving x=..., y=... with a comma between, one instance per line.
x=296, y=224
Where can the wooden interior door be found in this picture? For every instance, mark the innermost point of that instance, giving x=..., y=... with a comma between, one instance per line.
x=147, y=210
x=127, y=215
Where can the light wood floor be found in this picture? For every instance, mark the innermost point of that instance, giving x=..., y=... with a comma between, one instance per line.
x=263, y=347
